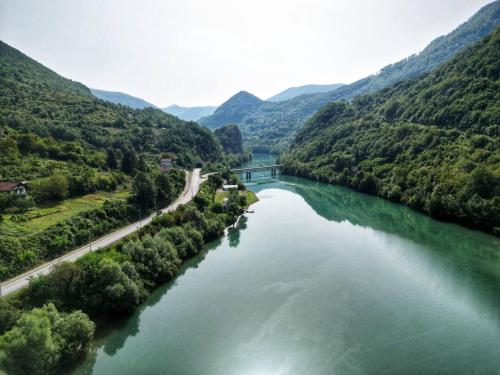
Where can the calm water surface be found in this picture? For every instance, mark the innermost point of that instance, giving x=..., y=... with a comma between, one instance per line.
x=320, y=280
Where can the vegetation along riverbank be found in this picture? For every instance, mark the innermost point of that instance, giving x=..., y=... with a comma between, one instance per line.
x=49, y=324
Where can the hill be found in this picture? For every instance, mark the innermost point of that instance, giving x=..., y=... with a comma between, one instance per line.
x=271, y=125
x=121, y=98
x=292, y=92
x=34, y=99
x=432, y=142
x=89, y=164
x=234, y=110
x=189, y=113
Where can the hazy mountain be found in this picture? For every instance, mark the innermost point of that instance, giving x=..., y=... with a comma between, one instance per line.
x=432, y=142
x=271, y=125
x=234, y=110
x=292, y=92
x=189, y=113
x=121, y=98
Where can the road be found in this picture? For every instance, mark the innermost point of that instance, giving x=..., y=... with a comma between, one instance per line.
x=193, y=181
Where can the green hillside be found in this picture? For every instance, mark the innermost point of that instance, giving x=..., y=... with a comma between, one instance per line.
x=90, y=165
x=271, y=125
x=432, y=143
x=35, y=99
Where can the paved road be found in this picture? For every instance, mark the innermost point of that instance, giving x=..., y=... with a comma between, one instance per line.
x=193, y=182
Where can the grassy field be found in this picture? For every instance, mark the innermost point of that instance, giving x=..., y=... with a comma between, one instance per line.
x=251, y=197
x=45, y=216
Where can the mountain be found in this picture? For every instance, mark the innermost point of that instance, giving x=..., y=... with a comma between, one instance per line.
x=189, y=113
x=271, y=125
x=432, y=142
x=292, y=92
x=234, y=110
x=43, y=106
x=121, y=98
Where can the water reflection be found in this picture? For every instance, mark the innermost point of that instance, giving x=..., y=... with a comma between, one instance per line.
x=234, y=232
x=321, y=279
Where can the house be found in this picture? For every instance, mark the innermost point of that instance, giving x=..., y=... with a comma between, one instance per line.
x=229, y=187
x=165, y=165
x=18, y=188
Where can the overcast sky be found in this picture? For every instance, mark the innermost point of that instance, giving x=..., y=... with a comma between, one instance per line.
x=200, y=52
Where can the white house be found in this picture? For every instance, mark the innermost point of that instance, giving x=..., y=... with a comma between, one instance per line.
x=18, y=188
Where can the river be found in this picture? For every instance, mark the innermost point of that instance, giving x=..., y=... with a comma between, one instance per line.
x=320, y=280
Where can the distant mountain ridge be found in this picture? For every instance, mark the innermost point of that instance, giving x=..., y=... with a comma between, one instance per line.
x=122, y=98
x=189, y=113
x=271, y=125
x=292, y=92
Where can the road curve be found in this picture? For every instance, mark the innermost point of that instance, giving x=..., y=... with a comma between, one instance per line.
x=191, y=188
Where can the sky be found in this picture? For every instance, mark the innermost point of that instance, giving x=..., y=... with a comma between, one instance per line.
x=201, y=52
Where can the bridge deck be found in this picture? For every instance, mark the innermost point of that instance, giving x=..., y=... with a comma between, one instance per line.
x=262, y=168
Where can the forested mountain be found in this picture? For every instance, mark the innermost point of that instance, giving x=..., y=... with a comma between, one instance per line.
x=271, y=125
x=432, y=142
x=34, y=99
x=292, y=92
x=234, y=110
x=189, y=113
x=121, y=98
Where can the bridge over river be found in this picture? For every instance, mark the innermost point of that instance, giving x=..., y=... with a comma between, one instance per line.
x=274, y=170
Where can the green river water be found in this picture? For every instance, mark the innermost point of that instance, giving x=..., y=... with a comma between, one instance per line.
x=320, y=280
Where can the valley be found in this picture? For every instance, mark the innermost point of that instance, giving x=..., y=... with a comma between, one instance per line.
x=363, y=237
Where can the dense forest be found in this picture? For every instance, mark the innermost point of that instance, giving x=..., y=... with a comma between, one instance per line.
x=270, y=126
x=432, y=142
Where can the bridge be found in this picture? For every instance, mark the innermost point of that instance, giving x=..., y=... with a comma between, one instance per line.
x=274, y=169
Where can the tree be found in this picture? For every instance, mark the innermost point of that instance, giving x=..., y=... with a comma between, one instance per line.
x=144, y=191
x=41, y=337
x=163, y=189
x=8, y=316
x=111, y=159
x=155, y=259
x=75, y=331
x=130, y=160
x=233, y=202
x=54, y=187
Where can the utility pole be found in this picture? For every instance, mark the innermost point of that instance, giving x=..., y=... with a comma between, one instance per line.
x=140, y=218
x=90, y=240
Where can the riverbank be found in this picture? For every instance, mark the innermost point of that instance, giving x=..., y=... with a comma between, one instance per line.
x=314, y=270
x=431, y=207
x=107, y=283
